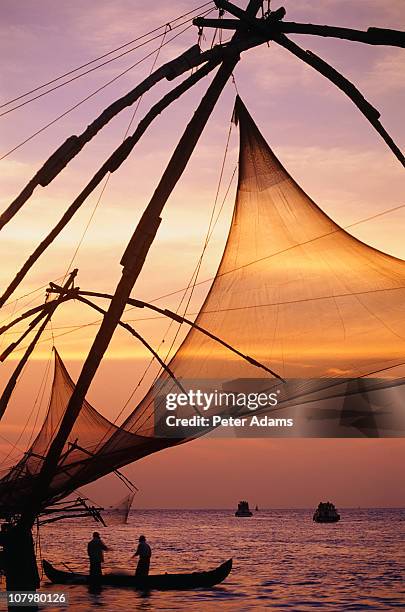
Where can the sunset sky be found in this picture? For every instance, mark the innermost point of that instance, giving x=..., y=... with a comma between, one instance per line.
x=318, y=134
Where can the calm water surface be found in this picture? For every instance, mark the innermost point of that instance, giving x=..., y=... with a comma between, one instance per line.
x=282, y=560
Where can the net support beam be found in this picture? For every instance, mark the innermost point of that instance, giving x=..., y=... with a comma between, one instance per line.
x=112, y=164
x=371, y=36
x=5, y=397
x=132, y=262
x=260, y=26
x=175, y=317
x=136, y=335
x=191, y=58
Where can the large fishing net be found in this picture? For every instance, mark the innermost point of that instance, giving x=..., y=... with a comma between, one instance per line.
x=302, y=296
x=82, y=459
x=295, y=292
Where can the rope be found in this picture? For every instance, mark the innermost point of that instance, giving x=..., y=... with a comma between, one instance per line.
x=192, y=282
x=207, y=238
x=21, y=297
x=96, y=91
x=40, y=403
x=221, y=13
x=41, y=391
x=345, y=227
x=234, y=84
x=107, y=179
x=92, y=62
x=76, y=328
x=11, y=316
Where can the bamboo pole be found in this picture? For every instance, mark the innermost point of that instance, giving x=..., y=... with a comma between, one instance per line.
x=172, y=315
x=74, y=144
x=371, y=113
x=111, y=165
x=190, y=58
x=5, y=398
x=132, y=262
x=25, y=315
x=371, y=36
x=138, y=336
x=11, y=347
x=321, y=66
x=122, y=152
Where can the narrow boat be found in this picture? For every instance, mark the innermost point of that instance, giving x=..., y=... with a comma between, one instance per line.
x=160, y=582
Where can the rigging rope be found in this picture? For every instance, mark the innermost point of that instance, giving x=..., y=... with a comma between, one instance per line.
x=96, y=91
x=21, y=297
x=197, y=269
x=38, y=401
x=161, y=317
x=345, y=227
x=107, y=179
x=191, y=282
x=93, y=61
x=72, y=329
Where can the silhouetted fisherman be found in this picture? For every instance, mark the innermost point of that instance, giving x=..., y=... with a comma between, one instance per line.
x=144, y=552
x=95, y=550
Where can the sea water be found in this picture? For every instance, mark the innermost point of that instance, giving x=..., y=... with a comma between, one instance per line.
x=282, y=560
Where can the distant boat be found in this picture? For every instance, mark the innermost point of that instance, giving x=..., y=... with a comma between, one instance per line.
x=243, y=509
x=326, y=513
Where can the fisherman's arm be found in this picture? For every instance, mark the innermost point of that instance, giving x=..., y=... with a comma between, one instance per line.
x=136, y=553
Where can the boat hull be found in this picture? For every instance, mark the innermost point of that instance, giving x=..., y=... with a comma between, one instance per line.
x=334, y=519
x=161, y=582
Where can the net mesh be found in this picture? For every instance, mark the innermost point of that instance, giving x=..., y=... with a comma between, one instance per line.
x=293, y=290
x=84, y=457
x=118, y=513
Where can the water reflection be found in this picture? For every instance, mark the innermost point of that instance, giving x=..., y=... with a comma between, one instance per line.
x=282, y=560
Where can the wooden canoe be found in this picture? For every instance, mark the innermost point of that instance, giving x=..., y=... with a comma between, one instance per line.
x=161, y=582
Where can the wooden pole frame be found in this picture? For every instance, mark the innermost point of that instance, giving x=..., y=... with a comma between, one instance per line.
x=271, y=29
x=47, y=315
x=132, y=262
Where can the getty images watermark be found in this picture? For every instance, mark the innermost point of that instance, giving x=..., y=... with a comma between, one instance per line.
x=199, y=410
x=298, y=407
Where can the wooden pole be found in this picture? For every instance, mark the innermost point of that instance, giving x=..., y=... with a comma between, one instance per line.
x=5, y=398
x=189, y=59
x=242, y=43
x=74, y=144
x=371, y=113
x=261, y=27
x=132, y=261
x=166, y=313
x=371, y=36
x=111, y=165
x=133, y=331
x=25, y=315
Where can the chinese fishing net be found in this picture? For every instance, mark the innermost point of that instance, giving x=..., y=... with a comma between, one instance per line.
x=294, y=291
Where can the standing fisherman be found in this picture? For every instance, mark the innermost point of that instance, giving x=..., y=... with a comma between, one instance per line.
x=95, y=550
x=144, y=552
